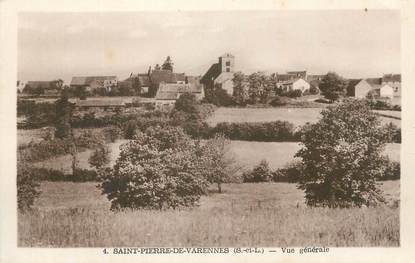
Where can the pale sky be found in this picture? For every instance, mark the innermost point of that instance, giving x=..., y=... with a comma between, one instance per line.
x=353, y=43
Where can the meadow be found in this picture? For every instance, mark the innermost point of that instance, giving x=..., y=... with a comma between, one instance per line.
x=77, y=215
x=246, y=153
x=297, y=116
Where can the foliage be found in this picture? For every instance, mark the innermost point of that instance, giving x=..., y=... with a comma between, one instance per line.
x=291, y=173
x=240, y=89
x=219, y=96
x=259, y=88
x=333, y=86
x=37, y=114
x=260, y=173
x=187, y=103
x=394, y=133
x=168, y=64
x=217, y=162
x=47, y=149
x=27, y=187
x=292, y=93
x=157, y=169
x=376, y=104
x=63, y=117
x=277, y=101
x=392, y=170
x=99, y=157
x=342, y=156
x=113, y=133
x=257, y=131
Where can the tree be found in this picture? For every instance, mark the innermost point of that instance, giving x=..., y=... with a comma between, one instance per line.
x=259, y=88
x=187, y=103
x=219, y=165
x=99, y=157
x=342, y=156
x=63, y=110
x=218, y=96
x=27, y=187
x=157, y=169
x=260, y=173
x=240, y=88
x=168, y=64
x=333, y=86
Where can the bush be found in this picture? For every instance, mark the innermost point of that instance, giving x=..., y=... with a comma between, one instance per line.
x=27, y=187
x=113, y=133
x=391, y=171
x=157, y=169
x=342, y=156
x=277, y=101
x=292, y=93
x=260, y=173
x=291, y=173
x=99, y=157
x=376, y=104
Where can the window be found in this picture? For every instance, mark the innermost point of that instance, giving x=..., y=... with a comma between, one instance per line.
x=228, y=70
x=228, y=63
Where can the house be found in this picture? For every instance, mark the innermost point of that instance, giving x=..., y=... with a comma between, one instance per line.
x=384, y=87
x=158, y=76
x=364, y=86
x=298, y=74
x=394, y=81
x=91, y=83
x=294, y=84
x=221, y=74
x=168, y=93
x=43, y=87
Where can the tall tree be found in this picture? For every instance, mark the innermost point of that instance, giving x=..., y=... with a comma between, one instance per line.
x=240, y=88
x=168, y=64
x=258, y=87
x=63, y=117
x=333, y=86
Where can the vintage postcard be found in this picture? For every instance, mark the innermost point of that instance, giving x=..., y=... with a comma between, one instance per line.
x=278, y=132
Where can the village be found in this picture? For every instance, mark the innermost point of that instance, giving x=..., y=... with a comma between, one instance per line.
x=161, y=86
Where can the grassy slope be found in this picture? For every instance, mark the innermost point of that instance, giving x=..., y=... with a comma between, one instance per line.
x=76, y=215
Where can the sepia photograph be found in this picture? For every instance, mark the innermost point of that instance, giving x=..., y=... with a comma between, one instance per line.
x=209, y=129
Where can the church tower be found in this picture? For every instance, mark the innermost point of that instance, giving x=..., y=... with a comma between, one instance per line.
x=227, y=63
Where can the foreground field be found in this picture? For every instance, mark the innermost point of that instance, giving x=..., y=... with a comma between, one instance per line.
x=271, y=214
x=297, y=116
x=247, y=154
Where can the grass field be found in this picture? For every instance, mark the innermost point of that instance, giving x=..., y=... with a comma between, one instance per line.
x=245, y=153
x=297, y=116
x=76, y=215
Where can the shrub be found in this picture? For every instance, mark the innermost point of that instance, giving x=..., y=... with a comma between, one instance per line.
x=99, y=157
x=27, y=187
x=260, y=173
x=391, y=171
x=277, y=101
x=342, y=156
x=157, y=169
x=291, y=173
x=113, y=133
x=292, y=93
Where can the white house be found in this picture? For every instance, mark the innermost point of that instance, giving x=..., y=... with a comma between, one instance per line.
x=386, y=91
x=295, y=84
